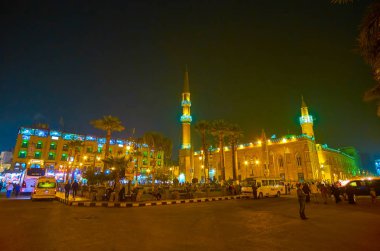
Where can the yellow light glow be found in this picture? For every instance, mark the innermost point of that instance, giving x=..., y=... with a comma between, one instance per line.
x=98, y=158
x=284, y=140
x=85, y=157
x=245, y=162
x=200, y=157
x=259, y=142
x=128, y=148
x=257, y=162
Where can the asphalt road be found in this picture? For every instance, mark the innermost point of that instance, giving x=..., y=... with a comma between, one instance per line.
x=268, y=224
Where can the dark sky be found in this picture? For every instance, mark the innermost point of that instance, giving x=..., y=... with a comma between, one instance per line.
x=249, y=63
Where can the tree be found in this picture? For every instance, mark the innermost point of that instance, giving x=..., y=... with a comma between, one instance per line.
x=118, y=165
x=369, y=47
x=219, y=128
x=369, y=44
x=203, y=127
x=109, y=124
x=74, y=148
x=234, y=134
x=155, y=143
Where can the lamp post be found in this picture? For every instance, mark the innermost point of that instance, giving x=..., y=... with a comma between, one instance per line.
x=147, y=178
x=257, y=162
x=171, y=173
x=246, y=171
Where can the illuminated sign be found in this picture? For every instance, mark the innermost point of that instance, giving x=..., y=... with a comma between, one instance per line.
x=90, y=138
x=26, y=131
x=55, y=133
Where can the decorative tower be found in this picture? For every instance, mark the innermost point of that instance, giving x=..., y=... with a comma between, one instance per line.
x=185, y=153
x=306, y=121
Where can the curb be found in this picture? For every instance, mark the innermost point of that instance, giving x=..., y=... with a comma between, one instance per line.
x=64, y=201
x=148, y=203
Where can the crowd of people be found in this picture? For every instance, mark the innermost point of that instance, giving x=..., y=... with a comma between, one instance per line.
x=321, y=192
x=11, y=188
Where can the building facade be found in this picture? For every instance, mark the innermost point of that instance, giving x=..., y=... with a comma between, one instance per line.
x=41, y=147
x=294, y=158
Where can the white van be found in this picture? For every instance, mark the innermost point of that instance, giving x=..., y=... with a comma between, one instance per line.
x=265, y=187
x=45, y=188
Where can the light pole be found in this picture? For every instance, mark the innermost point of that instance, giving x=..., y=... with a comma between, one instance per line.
x=246, y=171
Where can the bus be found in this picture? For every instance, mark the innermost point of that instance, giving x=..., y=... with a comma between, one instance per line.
x=266, y=187
x=29, y=178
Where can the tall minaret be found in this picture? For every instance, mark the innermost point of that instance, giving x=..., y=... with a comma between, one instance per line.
x=306, y=120
x=186, y=116
x=185, y=153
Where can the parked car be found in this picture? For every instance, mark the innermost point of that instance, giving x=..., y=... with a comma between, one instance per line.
x=361, y=186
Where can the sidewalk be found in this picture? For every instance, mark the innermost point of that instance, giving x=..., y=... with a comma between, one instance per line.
x=60, y=196
x=3, y=196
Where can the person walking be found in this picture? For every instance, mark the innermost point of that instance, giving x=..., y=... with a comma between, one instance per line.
x=254, y=191
x=301, y=200
x=67, y=189
x=336, y=192
x=314, y=192
x=306, y=190
x=372, y=192
x=75, y=187
x=17, y=189
x=350, y=191
x=9, y=188
x=324, y=193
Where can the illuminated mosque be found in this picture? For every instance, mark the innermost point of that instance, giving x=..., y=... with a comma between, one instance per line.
x=294, y=158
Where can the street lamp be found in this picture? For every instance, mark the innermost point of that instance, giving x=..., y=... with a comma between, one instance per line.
x=148, y=171
x=246, y=172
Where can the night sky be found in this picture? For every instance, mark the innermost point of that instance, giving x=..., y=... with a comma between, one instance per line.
x=249, y=63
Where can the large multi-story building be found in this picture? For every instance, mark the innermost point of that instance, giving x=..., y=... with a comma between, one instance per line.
x=40, y=147
x=293, y=158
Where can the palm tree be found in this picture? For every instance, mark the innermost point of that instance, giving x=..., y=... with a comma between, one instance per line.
x=155, y=142
x=219, y=128
x=118, y=165
x=109, y=124
x=74, y=148
x=167, y=147
x=203, y=127
x=369, y=47
x=234, y=134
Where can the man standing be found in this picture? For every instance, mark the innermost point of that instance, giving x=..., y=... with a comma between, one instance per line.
x=254, y=191
x=75, y=187
x=301, y=200
x=9, y=189
x=67, y=189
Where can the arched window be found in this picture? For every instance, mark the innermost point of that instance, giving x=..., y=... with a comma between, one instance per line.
x=280, y=161
x=298, y=159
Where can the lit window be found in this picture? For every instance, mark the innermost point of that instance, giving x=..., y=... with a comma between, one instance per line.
x=53, y=146
x=39, y=145
x=64, y=157
x=24, y=144
x=51, y=156
x=22, y=154
x=37, y=155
